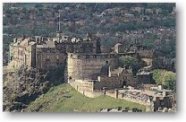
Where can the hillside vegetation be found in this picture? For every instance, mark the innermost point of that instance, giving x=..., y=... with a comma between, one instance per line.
x=64, y=98
x=165, y=78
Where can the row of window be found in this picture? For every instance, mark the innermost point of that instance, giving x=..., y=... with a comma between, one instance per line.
x=95, y=56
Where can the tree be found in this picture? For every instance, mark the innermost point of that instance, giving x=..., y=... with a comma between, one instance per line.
x=128, y=61
x=39, y=6
x=135, y=67
x=165, y=78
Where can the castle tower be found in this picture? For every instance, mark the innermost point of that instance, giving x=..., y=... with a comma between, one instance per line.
x=83, y=66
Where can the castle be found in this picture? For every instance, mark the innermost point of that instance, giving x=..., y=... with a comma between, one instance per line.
x=83, y=58
x=46, y=53
x=88, y=69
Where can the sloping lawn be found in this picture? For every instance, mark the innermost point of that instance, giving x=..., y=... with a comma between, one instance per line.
x=64, y=98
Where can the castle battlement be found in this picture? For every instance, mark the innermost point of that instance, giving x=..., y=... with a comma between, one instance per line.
x=92, y=55
x=98, y=55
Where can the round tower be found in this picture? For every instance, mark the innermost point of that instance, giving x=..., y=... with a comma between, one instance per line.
x=88, y=66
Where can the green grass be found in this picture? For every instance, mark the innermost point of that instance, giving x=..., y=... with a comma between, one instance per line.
x=56, y=100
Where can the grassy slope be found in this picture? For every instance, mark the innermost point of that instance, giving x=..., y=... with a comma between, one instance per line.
x=56, y=100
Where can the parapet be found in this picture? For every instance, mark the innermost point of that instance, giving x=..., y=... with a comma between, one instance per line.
x=92, y=55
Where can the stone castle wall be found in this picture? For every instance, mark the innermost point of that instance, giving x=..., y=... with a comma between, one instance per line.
x=21, y=56
x=49, y=59
x=85, y=66
x=108, y=82
x=86, y=88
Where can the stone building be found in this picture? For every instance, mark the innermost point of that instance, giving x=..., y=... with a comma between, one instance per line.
x=88, y=65
x=117, y=78
x=87, y=68
x=45, y=53
x=22, y=53
x=34, y=52
x=47, y=57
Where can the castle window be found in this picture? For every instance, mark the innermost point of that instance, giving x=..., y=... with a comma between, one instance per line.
x=70, y=78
